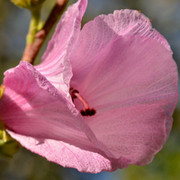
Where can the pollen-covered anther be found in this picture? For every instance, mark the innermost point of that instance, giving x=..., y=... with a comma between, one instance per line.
x=88, y=111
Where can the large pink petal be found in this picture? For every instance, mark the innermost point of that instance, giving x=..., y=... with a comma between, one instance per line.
x=32, y=106
x=98, y=35
x=55, y=65
x=134, y=132
x=126, y=72
x=66, y=154
x=42, y=120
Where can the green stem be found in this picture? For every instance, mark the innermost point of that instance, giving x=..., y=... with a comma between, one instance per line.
x=32, y=49
x=33, y=27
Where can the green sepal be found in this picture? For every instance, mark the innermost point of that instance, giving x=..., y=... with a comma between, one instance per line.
x=9, y=148
x=28, y=4
x=8, y=145
x=1, y=90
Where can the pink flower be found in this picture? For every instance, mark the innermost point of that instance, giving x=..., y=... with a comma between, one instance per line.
x=121, y=67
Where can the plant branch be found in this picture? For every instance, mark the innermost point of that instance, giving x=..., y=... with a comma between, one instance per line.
x=32, y=50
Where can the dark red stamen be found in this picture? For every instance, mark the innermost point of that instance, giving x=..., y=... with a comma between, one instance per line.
x=88, y=111
x=73, y=94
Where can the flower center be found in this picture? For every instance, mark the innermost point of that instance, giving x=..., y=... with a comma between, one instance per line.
x=88, y=111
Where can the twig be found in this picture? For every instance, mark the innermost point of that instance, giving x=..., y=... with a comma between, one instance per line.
x=32, y=50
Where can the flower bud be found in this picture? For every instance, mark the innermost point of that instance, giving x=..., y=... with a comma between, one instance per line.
x=28, y=4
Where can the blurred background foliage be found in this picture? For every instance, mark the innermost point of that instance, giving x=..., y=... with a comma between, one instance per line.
x=14, y=22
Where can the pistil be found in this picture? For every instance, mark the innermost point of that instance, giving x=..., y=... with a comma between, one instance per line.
x=88, y=110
